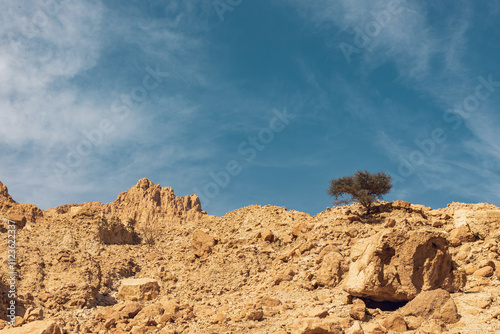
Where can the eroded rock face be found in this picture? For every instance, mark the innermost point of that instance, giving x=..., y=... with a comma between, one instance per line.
x=78, y=286
x=4, y=194
x=149, y=202
x=113, y=232
x=394, y=265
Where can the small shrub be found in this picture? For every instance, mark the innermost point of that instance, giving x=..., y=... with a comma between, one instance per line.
x=148, y=234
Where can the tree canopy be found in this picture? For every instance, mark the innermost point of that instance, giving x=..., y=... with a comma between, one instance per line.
x=363, y=187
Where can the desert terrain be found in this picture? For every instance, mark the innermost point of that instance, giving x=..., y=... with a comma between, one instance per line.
x=152, y=262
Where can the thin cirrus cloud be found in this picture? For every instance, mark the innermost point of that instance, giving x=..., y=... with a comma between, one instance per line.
x=435, y=60
x=49, y=97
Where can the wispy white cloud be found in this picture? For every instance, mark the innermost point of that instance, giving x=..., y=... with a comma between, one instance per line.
x=45, y=113
x=430, y=60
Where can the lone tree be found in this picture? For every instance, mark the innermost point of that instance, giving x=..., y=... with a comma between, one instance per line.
x=362, y=187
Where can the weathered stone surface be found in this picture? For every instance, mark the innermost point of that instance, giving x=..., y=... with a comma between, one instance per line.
x=394, y=323
x=202, y=243
x=149, y=202
x=432, y=326
x=395, y=265
x=4, y=194
x=358, y=310
x=462, y=233
x=435, y=304
x=79, y=284
x=481, y=219
x=316, y=326
x=268, y=235
x=374, y=328
x=114, y=232
x=19, y=219
x=129, y=309
x=254, y=312
x=484, y=272
x=331, y=269
x=36, y=327
x=138, y=289
x=480, y=300
x=355, y=329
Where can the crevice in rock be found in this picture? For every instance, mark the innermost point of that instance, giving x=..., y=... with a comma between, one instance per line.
x=383, y=306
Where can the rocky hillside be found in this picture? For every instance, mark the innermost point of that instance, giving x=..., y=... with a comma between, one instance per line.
x=152, y=262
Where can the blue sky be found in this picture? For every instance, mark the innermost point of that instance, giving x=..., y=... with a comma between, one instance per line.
x=249, y=102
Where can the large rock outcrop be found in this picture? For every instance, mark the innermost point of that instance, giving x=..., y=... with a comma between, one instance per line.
x=149, y=202
x=4, y=194
x=395, y=265
x=20, y=213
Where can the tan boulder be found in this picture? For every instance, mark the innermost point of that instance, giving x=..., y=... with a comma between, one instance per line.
x=394, y=323
x=284, y=276
x=170, y=306
x=114, y=232
x=462, y=233
x=129, y=309
x=374, y=328
x=221, y=315
x=486, y=262
x=270, y=302
x=138, y=289
x=19, y=219
x=435, y=304
x=149, y=315
x=484, y=272
x=395, y=265
x=299, y=229
x=432, y=326
x=326, y=250
x=316, y=326
x=36, y=327
x=358, y=310
x=268, y=235
x=202, y=243
x=317, y=312
x=253, y=311
x=330, y=271
x=470, y=269
x=355, y=329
